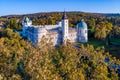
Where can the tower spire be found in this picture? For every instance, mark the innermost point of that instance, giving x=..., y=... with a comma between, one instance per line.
x=64, y=15
x=65, y=27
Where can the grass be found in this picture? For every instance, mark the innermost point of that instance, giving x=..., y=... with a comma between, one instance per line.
x=115, y=40
x=113, y=49
x=95, y=43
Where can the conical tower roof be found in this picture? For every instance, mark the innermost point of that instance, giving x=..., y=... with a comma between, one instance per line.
x=64, y=15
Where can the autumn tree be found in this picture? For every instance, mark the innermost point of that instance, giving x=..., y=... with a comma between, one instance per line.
x=102, y=29
x=11, y=53
x=14, y=24
x=115, y=32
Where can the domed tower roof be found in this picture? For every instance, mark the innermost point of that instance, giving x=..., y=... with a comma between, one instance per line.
x=82, y=24
x=64, y=15
x=26, y=19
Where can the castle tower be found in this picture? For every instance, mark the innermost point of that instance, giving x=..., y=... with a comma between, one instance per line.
x=82, y=31
x=65, y=27
x=25, y=24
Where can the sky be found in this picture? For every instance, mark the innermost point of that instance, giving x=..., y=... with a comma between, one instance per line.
x=8, y=7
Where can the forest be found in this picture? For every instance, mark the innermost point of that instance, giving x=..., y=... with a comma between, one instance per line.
x=96, y=60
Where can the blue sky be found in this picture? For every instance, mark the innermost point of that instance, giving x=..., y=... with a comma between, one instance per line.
x=8, y=7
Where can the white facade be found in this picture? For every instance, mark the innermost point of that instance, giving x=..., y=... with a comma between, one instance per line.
x=57, y=34
x=82, y=31
x=65, y=29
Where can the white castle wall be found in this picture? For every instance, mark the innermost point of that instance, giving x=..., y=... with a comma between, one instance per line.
x=51, y=26
x=58, y=24
x=56, y=39
x=65, y=30
x=82, y=35
x=73, y=36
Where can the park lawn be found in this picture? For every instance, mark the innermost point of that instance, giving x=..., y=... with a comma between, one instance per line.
x=95, y=43
x=113, y=50
x=115, y=40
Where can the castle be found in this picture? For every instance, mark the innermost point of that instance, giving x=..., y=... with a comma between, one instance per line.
x=58, y=33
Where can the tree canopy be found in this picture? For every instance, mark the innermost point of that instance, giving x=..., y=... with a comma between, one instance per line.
x=19, y=60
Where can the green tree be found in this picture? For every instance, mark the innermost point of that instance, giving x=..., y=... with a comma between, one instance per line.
x=115, y=32
x=102, y=29
x=51, y=21
x=14, y=24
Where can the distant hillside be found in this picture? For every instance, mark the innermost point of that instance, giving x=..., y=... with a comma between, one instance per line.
x=47, y=18
x=70, y=13
x=112, y=15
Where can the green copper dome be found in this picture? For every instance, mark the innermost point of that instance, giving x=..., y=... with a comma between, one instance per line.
x=26, y=19
x=82, y=24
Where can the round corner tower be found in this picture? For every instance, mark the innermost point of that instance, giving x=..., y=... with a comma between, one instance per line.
x=25, y=24
x=82, y=31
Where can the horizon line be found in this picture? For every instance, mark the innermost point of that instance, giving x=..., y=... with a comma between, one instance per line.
x=59, y=11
